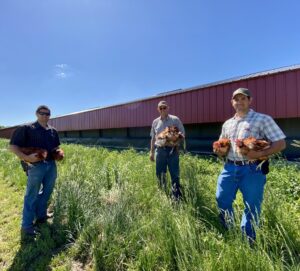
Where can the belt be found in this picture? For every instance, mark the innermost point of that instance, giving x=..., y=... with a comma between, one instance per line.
x=242, y=163
x=42, y=161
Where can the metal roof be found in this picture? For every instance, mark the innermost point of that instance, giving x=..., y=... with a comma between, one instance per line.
x=244, y=77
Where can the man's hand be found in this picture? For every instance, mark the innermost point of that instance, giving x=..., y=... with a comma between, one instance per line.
x=254, y=155
x=151, y=156
x=31, y=158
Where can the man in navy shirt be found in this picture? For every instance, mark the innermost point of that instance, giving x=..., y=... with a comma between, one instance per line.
x=41, y=174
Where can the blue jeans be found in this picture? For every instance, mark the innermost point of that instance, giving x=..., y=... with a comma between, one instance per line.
x=250, y=181
x=168, y=157
x=40, y=184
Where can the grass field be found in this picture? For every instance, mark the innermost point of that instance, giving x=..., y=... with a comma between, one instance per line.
x=109, y=215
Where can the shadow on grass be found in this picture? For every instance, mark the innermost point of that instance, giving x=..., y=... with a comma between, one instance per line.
x=36, y=253
x=202, y=208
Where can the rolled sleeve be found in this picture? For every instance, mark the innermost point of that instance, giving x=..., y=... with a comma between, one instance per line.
x=152, y=132
x=272, y=131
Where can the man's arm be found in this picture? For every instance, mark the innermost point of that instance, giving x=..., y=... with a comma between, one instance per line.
x=275, y=147
x=152, y=142
x=28, y=158
x=274, y=134
x=57, y=141
x=180, y=127
x=152, y=148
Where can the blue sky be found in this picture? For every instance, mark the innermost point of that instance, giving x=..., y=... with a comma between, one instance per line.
x=78, y=54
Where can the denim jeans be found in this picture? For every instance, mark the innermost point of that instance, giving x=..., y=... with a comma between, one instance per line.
x=40, y=184
x=168, y=157
x=250, y=181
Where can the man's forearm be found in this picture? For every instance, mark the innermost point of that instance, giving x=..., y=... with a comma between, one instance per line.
x=276, y=147
x=152, y=145
x=16, y=150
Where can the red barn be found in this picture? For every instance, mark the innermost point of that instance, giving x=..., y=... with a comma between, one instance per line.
x=202, y=109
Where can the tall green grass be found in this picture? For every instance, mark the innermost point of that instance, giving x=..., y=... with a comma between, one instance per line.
x=109, y=207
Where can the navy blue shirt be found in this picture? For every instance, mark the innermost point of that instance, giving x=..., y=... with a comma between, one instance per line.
x=35, y=135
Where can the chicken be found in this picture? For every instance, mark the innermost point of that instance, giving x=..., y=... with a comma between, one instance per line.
x=57, y=154
x=251, y=143
x=170, y=136
x=40, y=153
x=222, y=146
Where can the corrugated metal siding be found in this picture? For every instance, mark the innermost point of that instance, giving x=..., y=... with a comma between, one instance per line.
x=270, y=96
x=291, y=94
x=7, y=132
x=280, y=96
x=200, y=107
x=275, y=94
x=194, y=107
x=220, y=103
x=298, y=91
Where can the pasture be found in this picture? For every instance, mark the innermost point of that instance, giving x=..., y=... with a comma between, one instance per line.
x=110, y=215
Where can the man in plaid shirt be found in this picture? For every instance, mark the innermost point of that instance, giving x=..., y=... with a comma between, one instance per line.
x=242, y=171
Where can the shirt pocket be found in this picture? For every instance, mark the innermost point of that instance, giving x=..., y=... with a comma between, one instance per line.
x=249, y=130
x=245, y=130
x=255, y=131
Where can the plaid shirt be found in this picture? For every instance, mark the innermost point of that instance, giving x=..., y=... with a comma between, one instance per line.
x=254, y=124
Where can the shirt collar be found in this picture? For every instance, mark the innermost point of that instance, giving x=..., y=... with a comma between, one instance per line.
x=166, y=117
x=39, y=126
x=250, y=112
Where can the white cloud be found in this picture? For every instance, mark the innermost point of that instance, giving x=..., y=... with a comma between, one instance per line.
x=61, y=66
x=62, y=71
x=61, y=75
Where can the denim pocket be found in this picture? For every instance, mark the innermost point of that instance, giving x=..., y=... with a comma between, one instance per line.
x=34, y=167
x=256, y=168
x=31, y=166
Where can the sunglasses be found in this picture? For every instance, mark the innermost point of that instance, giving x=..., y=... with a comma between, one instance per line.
x=163, y=108
x=44, y=113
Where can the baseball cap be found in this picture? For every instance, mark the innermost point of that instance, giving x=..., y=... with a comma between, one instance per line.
x=243, y=91
x=162, y=103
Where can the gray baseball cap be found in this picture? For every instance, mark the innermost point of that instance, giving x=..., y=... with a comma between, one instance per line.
x=243, y=91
